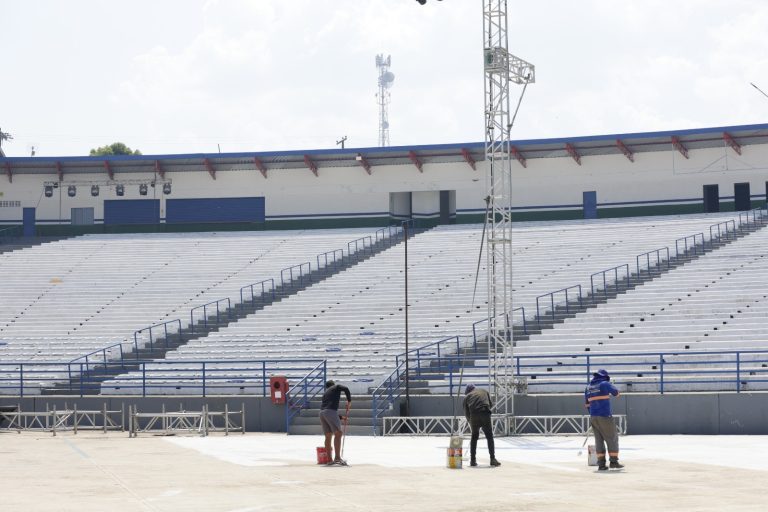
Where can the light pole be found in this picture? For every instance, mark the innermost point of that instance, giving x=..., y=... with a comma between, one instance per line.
x=407, y=368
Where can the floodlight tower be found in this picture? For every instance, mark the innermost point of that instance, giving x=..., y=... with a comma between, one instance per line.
x=501, y=70
x=386, y=78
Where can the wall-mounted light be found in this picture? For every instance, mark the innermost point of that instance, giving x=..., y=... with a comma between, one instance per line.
x=94, y=190
x=120, y=189
x=48, y=191
x=71, y=191
x=166, y=188
x=143, y=189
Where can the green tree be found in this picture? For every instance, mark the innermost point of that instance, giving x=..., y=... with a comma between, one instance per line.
x=116, y=148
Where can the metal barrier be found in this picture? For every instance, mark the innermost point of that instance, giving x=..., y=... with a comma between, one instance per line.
x=66, y=419
x=302, y=392
x=758, y=217
x=296, y=272
x=170, y=422
x=204, y=307
x=264, y=291
x=330, y=259
x=647, y=255
x=726, y=229
x=551, y=296
x=103, y=351
x=694, y=246
x=438, y=425
x=557, y=425
x=384, y=396
x=391, y=232
x=164, y=325
x=615, y=270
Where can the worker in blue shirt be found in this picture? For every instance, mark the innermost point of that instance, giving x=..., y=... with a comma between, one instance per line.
x=597, y=398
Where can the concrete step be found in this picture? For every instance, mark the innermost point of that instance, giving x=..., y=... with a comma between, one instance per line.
x=317, y=430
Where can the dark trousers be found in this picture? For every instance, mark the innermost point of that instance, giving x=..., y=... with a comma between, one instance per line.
x=606, y=433
x=477, y=421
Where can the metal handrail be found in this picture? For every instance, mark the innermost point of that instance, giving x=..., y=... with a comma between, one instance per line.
x=151, y=340
x=330, y=259
x=754, y=212
x=299, y=270
x=263, y=291
x=615, y=279
x=385, y=395
x=694, y=246
x=551, y=295
x=726, y=223
x=312, y=384
x=418, y=351
x=205, y=313
x=360, y=245
x=647, y=255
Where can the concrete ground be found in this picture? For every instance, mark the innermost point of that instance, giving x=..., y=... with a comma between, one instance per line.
x=275, y=472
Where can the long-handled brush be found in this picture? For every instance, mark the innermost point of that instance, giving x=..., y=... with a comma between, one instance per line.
x=584, y=443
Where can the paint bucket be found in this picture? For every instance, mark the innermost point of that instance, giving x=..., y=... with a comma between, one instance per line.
x=322, y=455
x=591, y=455
x=455, y=452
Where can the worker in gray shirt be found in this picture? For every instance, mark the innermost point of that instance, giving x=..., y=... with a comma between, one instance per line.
x=477, y=409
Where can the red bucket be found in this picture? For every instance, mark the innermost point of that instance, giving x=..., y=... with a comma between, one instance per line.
x=322, y=455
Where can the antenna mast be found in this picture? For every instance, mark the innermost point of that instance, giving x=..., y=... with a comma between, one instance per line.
x=386, y=78
x=501, y=70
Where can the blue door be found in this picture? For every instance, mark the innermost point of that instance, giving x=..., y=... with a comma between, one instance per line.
x=590, y=204
x=132, y=211
x=29, y=222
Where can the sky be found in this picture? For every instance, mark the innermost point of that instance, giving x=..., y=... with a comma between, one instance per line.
x=189, y=76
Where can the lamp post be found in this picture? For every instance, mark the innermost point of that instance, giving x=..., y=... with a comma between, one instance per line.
x=407, y=376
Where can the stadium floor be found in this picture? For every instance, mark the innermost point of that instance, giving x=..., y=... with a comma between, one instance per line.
x=275, y=472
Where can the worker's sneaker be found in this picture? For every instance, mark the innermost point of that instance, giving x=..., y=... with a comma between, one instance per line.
x=473, y=463
x=615, y=464
x=495, y=463
x=601, y=465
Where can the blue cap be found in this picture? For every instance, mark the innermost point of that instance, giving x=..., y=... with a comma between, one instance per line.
x=602, y=374
x=469, y=388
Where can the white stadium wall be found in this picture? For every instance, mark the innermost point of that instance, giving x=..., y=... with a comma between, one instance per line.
x=657, y=182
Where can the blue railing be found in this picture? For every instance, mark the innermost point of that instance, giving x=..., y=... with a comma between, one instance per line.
x=265, y=292
x=384, y=396
x=726, y=370
x=647, y=255
x=604, y=273
x=726, y=229
x=164, y=325
x=551, y=296
x=190, y=377
x=330, y=259
x=695, y=246
x=302, y=392
x=204, y=307
x=301, y=273
x=450, y=345
x=360, y=246
x=390, y=232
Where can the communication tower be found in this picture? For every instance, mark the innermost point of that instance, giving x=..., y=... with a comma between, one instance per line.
x=386, y=78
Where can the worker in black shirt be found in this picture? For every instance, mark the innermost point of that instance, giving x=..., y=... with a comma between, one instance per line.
x=477, y=409
x=329, y=418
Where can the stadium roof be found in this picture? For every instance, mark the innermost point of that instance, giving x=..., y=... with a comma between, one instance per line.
x=369, y=158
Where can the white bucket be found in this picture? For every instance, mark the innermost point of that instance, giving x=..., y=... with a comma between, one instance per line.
x=591, y=455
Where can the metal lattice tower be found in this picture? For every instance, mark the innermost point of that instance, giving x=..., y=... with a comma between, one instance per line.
x=386, y=78
x=501, y=70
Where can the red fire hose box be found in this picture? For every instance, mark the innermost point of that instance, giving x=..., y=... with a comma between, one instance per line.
x=278, y=387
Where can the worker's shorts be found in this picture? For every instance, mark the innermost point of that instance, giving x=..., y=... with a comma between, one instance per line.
x=329, y=419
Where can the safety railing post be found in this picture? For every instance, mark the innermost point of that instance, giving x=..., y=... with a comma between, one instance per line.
x=143, y=379
x=738, y=372
x=264, y=378
x=661, y=373
x=204, y=383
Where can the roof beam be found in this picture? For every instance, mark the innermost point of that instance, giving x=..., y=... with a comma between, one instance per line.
x=8, y=172
x=574, y=154
x=260, y=166
x=367, y=166
x=110, y=172
x=159, y=170
x=732, y=142
x=679, y=146
x=517, y=154
x=209, y=168
x=468, y=158
x=624, y=149
x=59, y=171
x=310, y=164
x=415, y=160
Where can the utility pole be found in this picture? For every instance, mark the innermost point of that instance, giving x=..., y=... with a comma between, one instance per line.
x=341, y=142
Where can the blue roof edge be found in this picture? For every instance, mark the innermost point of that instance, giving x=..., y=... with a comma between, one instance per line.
x=390, y=149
